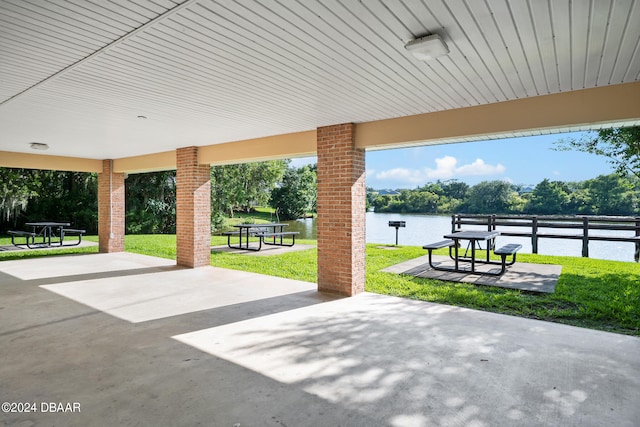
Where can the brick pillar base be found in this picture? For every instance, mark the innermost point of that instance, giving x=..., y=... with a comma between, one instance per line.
x=110, y=209
x=341, y=211
x=193, y=209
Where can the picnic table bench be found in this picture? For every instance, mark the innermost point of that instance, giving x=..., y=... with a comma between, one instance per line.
x=25, y=234
x=439, y=245
x=281, y=235
x=71, y=231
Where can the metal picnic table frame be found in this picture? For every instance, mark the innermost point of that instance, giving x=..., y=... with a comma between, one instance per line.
x=248, y=229
x=47, y=230
x=474, y=238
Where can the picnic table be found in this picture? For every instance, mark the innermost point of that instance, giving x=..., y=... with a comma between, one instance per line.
x=474, y=237
x=272, y=230
x=47, y=230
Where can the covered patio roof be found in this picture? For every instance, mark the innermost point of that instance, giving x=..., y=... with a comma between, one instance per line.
x=134, y=81
x=142, y=83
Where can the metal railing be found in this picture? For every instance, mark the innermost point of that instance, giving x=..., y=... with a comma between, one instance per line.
x=543, y=226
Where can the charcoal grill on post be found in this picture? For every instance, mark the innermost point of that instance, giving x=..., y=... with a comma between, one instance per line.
x=397, y=225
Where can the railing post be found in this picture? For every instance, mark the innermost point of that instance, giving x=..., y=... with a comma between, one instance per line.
x=453, y=223
x=492, y=242
x=636, y=255
x=585, y=237
x=534, y=235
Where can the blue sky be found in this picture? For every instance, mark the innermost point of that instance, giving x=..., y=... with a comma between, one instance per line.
x=526, y=160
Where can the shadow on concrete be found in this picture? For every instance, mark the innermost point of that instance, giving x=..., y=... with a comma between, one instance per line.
x=414, y=363
x=98, y=275
x=305, y=359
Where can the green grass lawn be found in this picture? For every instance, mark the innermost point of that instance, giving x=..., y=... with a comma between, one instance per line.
x=9, y=255
x=591, y=293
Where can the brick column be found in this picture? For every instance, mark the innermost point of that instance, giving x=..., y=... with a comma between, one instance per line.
x=193, y=209
x=110, y=209
x=341, y=211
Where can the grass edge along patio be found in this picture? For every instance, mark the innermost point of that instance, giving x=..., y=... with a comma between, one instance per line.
x=591, y=293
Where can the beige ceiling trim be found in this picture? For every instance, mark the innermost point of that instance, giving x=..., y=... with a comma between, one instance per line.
x=583, y=108
x=146, y=163
x=10, y=159
x=614, y=103
x=299, y=144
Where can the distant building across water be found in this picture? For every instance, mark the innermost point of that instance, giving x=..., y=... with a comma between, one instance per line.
x=387, y=192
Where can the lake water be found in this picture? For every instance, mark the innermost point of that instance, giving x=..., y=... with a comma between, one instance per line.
x=423, y=229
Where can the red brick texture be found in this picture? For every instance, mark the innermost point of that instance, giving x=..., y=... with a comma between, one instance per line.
x=110, y=209
x=341, y=211
x=193, y=209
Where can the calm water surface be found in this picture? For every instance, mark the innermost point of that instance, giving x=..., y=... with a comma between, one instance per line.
x=423, y=229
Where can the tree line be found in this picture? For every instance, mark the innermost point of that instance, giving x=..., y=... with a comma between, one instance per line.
x=604, y=195
x=615, y=194
x=36, y=195
x=31, y=195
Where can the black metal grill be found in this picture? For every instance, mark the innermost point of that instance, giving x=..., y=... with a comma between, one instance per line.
x=397, y=225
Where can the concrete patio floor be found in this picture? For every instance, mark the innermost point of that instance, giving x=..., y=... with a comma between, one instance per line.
x=136, y=341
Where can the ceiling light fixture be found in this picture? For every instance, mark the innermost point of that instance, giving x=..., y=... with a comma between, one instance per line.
x=427, y=47
x=38, y=146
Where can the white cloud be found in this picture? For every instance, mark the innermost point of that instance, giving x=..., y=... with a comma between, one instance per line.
x=446, y=168
x=401, y=174
x=479, y=167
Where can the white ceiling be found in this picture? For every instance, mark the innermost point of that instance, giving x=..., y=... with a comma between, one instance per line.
x=76, y=74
